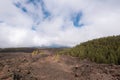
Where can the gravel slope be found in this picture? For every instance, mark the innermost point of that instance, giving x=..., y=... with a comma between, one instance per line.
x=24, y=66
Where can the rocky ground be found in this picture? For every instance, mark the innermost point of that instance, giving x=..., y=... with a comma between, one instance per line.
x=24, y=66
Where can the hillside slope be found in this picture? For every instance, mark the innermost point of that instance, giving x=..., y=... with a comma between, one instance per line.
x=102, y=50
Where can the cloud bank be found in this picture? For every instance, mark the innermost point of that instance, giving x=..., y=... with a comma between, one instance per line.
x=28, y=23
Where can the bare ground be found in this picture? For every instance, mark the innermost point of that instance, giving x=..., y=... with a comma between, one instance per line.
x=24, y=66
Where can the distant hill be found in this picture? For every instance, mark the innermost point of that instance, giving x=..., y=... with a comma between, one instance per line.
x=29, y=49
x=19, y=49
x=102, y=50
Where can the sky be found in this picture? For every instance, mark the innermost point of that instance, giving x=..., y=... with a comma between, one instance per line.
x=29, y=23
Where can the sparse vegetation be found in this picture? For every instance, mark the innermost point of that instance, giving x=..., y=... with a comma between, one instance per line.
x=37, y=51
x=103, y=50
x=56, y=57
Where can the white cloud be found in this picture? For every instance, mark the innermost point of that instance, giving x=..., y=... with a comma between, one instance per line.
x=100, y=18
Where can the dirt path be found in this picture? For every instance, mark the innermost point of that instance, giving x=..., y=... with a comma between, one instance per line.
x=24, y=66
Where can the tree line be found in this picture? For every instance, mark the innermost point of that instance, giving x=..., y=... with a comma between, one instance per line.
x=102, y=50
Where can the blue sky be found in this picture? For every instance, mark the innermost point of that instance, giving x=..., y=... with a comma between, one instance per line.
x=25, y=23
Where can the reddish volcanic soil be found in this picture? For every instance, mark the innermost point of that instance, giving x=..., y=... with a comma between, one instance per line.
x=24, y=66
